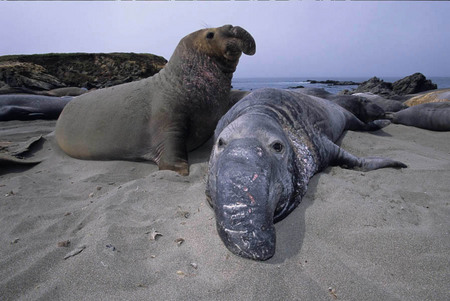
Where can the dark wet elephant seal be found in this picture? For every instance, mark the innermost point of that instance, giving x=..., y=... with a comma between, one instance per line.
x=31, y=107
x=164, y=116
x=433, y=116
x=388, y=105
x=361, y=107
x=266, y=149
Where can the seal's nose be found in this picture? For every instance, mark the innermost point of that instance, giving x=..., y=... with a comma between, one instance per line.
x=243, y=207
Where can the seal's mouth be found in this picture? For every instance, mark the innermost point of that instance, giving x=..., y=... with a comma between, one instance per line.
x=253, y=244
x=232, y=52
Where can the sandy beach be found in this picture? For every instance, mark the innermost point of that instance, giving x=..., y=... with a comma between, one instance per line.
x=116, y=230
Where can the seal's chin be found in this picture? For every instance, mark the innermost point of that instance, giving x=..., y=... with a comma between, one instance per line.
x=256, y=245
x=232, y=56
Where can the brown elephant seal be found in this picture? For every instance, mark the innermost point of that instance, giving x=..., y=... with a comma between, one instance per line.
x=162, y=117
x=435, y=96
x=66, y=91
x=434, y=116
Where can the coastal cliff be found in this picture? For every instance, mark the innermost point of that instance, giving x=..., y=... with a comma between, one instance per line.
x=41, y=72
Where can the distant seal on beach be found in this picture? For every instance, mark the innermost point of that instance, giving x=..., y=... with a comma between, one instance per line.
x=364, y=109
x=164, y=116
x=433, y=116
x=434, y=96
x=266, y=149
x=66, y=91
x=30, y=107
x=388, y=105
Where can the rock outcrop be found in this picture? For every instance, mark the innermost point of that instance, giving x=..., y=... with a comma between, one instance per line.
x=41, y=72
x=331, y=82
x=375, y=86
x=411, y=84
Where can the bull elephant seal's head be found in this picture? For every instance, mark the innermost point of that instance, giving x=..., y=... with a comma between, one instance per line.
x=223, y=44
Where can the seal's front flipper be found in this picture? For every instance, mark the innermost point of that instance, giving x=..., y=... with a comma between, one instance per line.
x=174, y=155
x=345, y=159
x=355, y=124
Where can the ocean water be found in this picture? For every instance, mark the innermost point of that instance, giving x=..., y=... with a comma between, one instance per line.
x=249, y=84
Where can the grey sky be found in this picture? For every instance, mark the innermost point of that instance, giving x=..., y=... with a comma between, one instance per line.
x=295, y=38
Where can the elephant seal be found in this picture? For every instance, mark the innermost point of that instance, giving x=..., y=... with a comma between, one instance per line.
x=31, y=107
x=433, y=116
x=162, y=117
x=435, y=96
x=66, y=91
x=266, y=149
x=364, y=109
x=388, y=105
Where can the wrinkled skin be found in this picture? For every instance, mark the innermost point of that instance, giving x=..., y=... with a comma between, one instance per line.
x=162, y=117
x=267, y=147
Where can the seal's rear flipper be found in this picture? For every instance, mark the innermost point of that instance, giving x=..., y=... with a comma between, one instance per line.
x=345, y=159
x=389, y=116
x=21, y=153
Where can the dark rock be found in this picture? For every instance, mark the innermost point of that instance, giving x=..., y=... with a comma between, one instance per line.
x=375, y=86
x=42, y=72
x=27, y=75
x=412, y=84
x=333, y=82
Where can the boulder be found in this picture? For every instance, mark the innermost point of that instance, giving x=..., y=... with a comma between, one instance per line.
x=27, y=75
x=375, y=86
x=412, y=84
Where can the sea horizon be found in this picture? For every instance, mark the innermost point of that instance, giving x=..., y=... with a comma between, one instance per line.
x=252, y=83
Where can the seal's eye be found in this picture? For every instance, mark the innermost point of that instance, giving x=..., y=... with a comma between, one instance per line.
x=210, y=35
x=220, y=142
x=277, y=147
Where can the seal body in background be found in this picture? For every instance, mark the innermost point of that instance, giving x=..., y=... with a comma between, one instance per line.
x=434, y=116
x=31, y=107
x=162, y=117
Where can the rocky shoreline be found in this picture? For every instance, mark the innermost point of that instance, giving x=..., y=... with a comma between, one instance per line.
x=411, y=84
x=331, y=82
x=44, y=72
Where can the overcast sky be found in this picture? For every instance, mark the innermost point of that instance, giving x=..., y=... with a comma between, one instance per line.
x=295, y=38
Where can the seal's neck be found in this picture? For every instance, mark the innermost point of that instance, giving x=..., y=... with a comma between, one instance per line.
x=195, y=75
